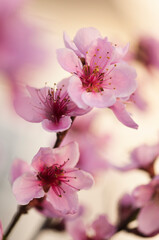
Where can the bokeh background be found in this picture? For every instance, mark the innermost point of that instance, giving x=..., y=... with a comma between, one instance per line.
x=121, y=21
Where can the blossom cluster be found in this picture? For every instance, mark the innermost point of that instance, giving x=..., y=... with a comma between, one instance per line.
x=100, y=77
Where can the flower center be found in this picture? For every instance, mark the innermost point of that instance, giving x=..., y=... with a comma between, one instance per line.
x=56, y=177
x=92, y=81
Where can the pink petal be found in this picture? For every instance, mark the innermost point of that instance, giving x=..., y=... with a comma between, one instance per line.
x=120, y=53
x=19, y=167
x=68, y=203
x=48, y=156
x=33, y=108
x=70, y=44
x=63, y=124
x=85, y=37
x=148, y=218
x=142, y=195
x=102, y=228
x=1, y=231
x=44, y=157
x=82, y=180
x=69, y=60
x=75, y=91
x=99, y=99
x=69, y=151
x=145, y=154
x=26, y=188
x=76, y=229
x=100, y=54
x=123, y=80
x=122, y=115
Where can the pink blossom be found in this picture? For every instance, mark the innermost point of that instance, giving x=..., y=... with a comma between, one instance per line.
x=146, y=197
x=51, y=107
x=142, y=157
x=147, y=51
x=1, y=231
x=100, y=229
x=100, y=75
x=53, y=175
x=18, y=42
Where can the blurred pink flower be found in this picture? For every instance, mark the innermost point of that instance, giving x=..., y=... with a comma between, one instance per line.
x=148, y=51
x=100, y=229
x=18, y=42
x=99, y=73
x=146, y=197
x=1, y=231
x=53, y=173
x=142, y=157
x=52, y=107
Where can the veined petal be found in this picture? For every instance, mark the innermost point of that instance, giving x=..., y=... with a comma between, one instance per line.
x=85, y=37
x=68, y=153
x=80, y=179
x=43, y=158
x=123, y=80
x=99, y=99
x=63, y=124
x=70, y=44
x=26, y=188
x=75, y=91
x=19, y=167
x=33, y=108
x=100, y=54
x=69, y=60
x=67, y=203
x=122, y=115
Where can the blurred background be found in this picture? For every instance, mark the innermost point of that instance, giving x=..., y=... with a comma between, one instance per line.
x=36, y=27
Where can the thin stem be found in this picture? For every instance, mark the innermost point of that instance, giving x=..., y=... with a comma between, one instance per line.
x=21, y=210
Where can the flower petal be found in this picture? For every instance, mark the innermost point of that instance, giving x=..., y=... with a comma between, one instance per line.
x=142, y=195
x=67, y=203
x=69, y=60
x=26, y=188
x=68, y=153
x=44, y=157
x=63, y=124
x=148, y=219
x=75, y=91
x=19, y=167
x=122, y=115
x=99, y=99
x=33, y=108
x=79, y=179
x=70, y=44
x=85, y=37
x=123, y=80
x=102, y=228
